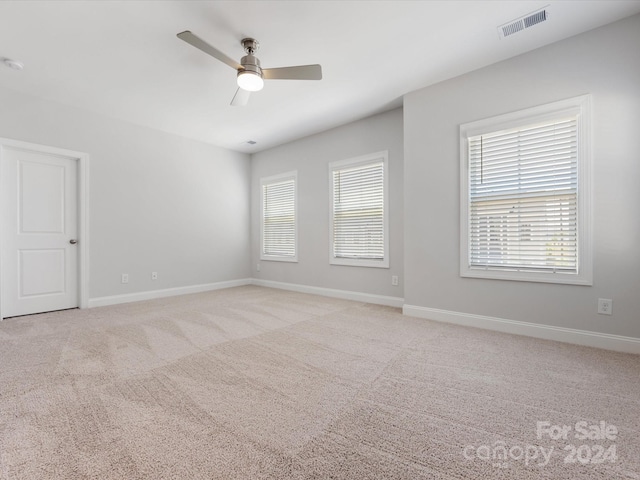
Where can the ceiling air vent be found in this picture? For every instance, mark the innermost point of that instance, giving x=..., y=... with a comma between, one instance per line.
x=522, y=23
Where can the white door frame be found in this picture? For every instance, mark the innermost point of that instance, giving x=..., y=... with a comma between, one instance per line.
x=82, y=160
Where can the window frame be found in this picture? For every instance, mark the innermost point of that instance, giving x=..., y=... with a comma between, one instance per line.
x=579, y=106
x=361, y=161
x=272, y=180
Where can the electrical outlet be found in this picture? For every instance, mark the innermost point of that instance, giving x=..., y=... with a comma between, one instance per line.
x=125, y=278
x=605, y=306
x=394, y=280
x=258, y=267
x=154, y=275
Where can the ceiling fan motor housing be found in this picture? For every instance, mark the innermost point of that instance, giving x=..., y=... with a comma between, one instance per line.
x=251, y=64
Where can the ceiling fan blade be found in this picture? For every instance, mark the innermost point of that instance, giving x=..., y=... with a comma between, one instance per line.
x=301, y=72
x=200, y=44
x=241, y=98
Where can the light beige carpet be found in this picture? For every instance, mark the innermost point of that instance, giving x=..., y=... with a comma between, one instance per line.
x=253, y=383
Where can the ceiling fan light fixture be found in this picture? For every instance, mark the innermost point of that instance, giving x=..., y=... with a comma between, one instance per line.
x=250, y=81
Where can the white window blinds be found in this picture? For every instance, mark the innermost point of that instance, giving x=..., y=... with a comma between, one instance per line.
x=358, y=219
x=279, y=219
x=523, y=195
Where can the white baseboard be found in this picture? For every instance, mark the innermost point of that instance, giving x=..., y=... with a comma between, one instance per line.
x=569, y=335
x=169, y=292
x=330, y=292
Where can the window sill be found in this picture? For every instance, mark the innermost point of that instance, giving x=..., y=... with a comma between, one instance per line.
x=523, y=276
x=273, y=258
x=352, y=262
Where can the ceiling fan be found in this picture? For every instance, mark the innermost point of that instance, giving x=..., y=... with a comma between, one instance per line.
x=250, y=75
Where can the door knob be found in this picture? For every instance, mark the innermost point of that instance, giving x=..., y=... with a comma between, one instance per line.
x=73, y=241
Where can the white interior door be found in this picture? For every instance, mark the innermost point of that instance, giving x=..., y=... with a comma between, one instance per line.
x=39, y=254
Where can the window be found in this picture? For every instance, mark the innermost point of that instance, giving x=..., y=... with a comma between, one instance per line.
x=359, y=223
x=279, y=225
x=525, y=195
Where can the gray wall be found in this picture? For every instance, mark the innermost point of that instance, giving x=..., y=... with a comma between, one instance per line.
x=157, y=202
x=311, y=156
x=604, y=62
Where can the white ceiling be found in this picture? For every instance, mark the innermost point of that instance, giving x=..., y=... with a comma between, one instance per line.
x=122, y=59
